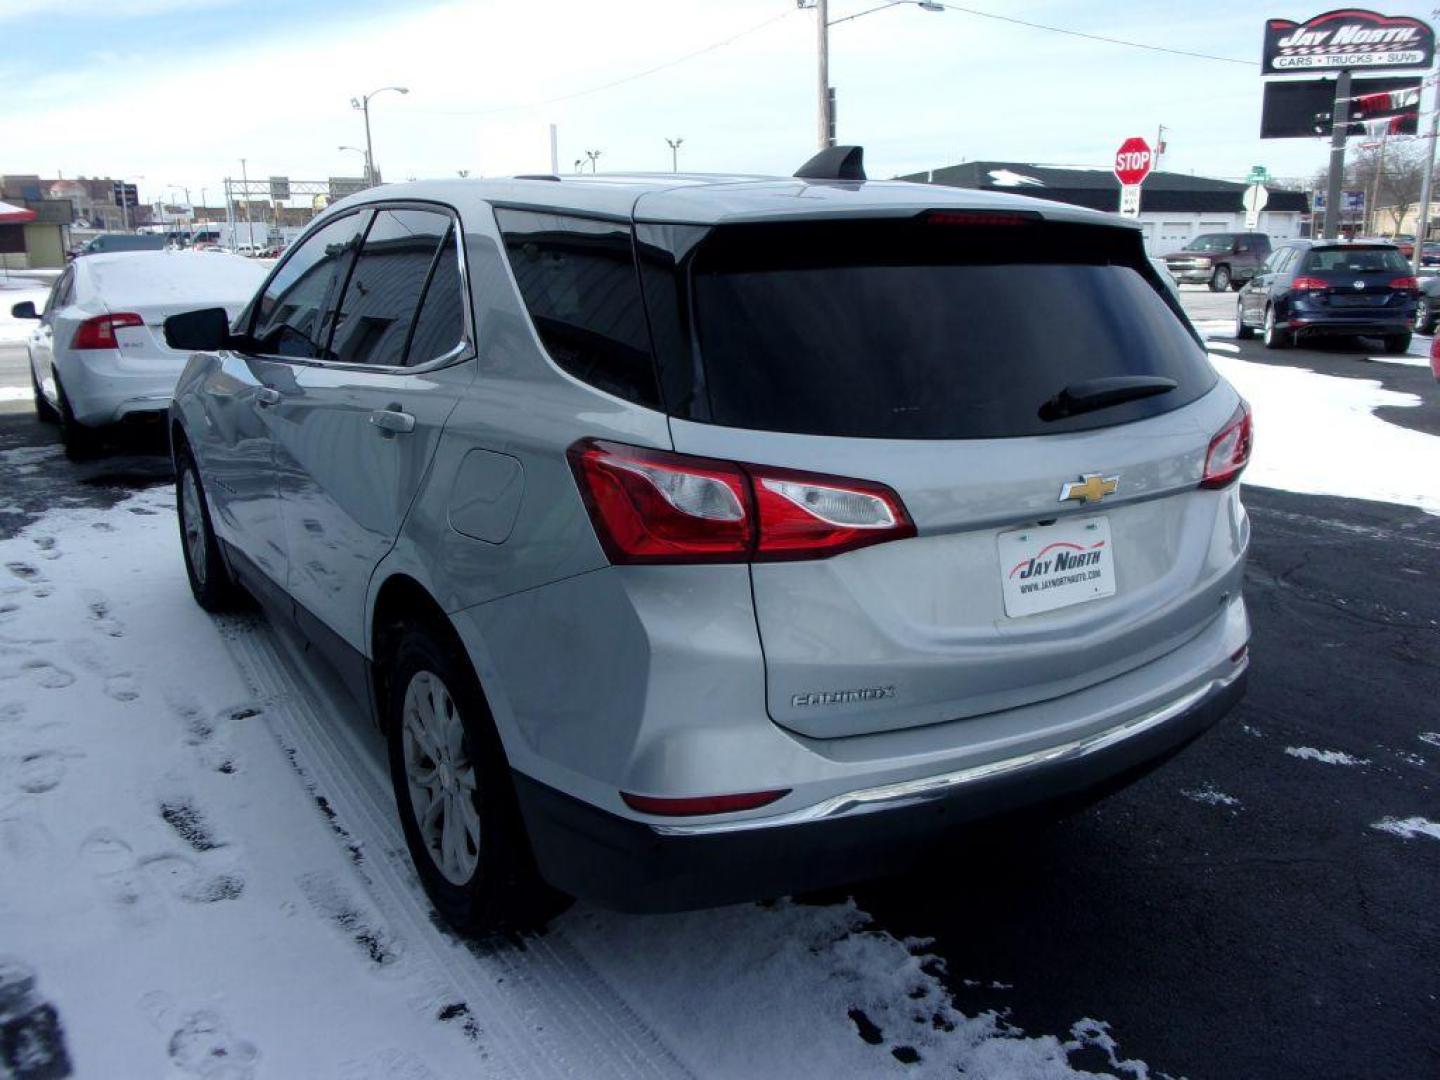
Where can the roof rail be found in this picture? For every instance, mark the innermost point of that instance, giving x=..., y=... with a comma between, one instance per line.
x=537, y=176
x=835, y=163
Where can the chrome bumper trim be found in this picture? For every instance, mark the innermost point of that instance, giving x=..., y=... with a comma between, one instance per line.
x=926, y=788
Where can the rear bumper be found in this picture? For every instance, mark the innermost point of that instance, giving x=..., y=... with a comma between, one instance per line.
x=644, y=866
x=105, y=387
x=1321, y=326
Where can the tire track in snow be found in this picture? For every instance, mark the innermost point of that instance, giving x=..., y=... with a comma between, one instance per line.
x=543, y=1011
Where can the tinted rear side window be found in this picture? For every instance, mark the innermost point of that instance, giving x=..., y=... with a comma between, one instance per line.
x=440, y=326
x=578, y=279
x=913, y=330
x=385, y=287
x=1355, y=260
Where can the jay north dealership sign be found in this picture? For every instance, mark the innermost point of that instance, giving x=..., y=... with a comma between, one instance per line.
x=1348, y=38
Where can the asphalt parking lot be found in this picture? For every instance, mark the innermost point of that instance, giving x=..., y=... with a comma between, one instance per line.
x=1235, y=914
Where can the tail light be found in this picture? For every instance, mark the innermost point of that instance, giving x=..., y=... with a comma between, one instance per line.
x=1410, y=283
x=99, y=332
x=1229, y=451
x=1301, y=284
x=653, y=506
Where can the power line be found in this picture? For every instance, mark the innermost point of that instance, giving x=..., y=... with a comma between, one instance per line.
x=616, y=82
x=1094, y=37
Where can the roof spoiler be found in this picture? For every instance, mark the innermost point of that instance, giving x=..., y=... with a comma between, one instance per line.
x=835, y=163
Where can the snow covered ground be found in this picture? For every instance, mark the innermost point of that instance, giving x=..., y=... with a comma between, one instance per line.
x=1319, y=434
x=203, y=874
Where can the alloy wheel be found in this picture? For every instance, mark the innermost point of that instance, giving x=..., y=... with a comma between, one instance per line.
x=440, y=777
x=193, y=520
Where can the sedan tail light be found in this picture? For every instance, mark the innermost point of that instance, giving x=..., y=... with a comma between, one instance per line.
x=1229, y=451
x=99, y=332
x=654, y=506
x=1302, y=284
x=1410, y=283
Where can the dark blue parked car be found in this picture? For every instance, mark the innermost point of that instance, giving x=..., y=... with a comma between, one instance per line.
x=1330, y=288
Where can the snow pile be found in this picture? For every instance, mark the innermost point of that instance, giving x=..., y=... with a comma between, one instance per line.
x=13, y=330
x=1318, y=434
x=1409, y=828
x=196, y=868
x=1325, y=757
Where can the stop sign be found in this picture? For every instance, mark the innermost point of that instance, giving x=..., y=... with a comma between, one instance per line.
x=1133, y=160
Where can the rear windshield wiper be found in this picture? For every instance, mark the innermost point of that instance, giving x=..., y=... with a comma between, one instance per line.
x=1092, y=394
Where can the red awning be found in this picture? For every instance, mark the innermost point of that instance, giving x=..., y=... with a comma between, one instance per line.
x=14, y=215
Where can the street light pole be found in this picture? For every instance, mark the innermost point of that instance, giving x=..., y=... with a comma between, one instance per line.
x=826, y=95
x=1422, y=223
x=594, y=156
x=363, y=104
x=822, y=32
x=674, y=145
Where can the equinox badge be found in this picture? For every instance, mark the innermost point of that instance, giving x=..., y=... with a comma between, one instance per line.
x=1091, y=487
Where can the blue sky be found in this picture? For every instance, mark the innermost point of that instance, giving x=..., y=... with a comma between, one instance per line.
x=177, y=91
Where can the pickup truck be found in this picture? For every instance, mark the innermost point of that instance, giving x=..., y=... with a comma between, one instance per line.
x=1220, y=260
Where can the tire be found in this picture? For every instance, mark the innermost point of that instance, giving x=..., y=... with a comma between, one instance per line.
x=1242, y=332
x=81, y=443
x=1220, y=279
x=44, y=411
x=1237, y=284
x=1275, y=338
x=1425, y=316
x=1396, y=343
x=486, y=881
x=210, y=581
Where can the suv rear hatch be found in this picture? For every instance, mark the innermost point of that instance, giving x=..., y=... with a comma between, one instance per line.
x=1355, y=280
x=933, y=355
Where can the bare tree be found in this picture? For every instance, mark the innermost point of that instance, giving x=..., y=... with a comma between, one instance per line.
x=1390, y=173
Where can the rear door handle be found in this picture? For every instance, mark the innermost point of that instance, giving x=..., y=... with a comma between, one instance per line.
x=393, y=421
x=264, y=395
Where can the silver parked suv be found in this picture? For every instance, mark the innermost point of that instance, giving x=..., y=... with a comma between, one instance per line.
x=703, y=538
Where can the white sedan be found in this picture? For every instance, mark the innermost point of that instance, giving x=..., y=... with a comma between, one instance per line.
x=98, y=354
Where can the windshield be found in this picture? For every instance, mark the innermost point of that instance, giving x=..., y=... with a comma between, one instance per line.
x=1222, y=242
x=1355, y=260
x=914, y=330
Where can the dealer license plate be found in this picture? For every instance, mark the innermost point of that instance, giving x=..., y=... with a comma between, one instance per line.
x=1054, y=566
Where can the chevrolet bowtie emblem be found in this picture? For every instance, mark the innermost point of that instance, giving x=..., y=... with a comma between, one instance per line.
x=1092, y=487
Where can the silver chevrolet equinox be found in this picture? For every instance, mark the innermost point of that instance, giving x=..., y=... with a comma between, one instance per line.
x=696, y=539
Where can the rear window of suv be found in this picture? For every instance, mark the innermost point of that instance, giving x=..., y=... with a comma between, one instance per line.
x=914, y=330
x=1352, y=259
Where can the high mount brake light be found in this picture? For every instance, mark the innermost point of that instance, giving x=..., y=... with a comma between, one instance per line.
x=1229, y=451
x=99, y=332
x=983, y=217
x=1302, y=284
x=654, y=506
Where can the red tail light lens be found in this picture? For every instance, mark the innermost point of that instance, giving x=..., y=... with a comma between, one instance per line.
x=1405, y=283
x=99, y=332
x=1229, y=451
x=703, y=804
x=653, y=506
x=1302, y=284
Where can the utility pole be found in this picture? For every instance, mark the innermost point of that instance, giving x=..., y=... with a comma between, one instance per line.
x=1422, y=225
x=674, y=145
x=822, y=30
x=1159, y=146
x=1374, y=227
x=1340, y=120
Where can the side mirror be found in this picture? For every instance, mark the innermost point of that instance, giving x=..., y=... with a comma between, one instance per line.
x=24, y=310
x=207, y=330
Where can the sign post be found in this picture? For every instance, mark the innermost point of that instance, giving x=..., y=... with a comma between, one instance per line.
x=1254, y=200
x=1133, y=162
